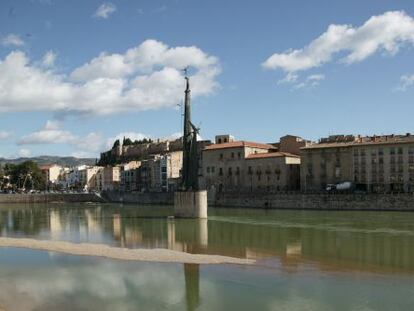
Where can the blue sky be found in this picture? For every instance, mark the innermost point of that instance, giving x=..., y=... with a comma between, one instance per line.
x=60, y=95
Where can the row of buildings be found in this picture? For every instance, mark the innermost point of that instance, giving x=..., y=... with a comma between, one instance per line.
x=370, y=163
x=156, y=174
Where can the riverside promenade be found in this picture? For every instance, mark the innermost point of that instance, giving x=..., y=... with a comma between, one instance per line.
x=292, y=200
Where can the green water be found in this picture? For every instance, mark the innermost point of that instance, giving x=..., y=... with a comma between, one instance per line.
x=306, y=260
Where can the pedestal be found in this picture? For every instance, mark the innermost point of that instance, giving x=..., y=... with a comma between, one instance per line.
x=190, y=204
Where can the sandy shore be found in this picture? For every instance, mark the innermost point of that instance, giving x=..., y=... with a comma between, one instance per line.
x=101, y=250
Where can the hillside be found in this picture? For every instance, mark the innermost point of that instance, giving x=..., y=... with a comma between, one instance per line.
x=42, y=160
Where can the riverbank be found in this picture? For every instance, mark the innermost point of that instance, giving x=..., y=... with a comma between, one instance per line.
x=302, y=201
x=319, y=201
x=293, y=201
x=51, y=198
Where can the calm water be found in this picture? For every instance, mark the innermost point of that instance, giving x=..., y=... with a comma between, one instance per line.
x=306, y=260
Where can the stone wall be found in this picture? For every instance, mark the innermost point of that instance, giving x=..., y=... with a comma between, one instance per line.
x=161, y=198
x=50, y=198
x=391, y=202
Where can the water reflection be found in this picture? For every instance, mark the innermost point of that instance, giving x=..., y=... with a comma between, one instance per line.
x=335, y=240
x=192, y=286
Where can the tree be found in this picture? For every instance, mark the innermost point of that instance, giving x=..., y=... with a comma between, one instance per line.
x=116, y=144
x=127, y=142
x=25, y=175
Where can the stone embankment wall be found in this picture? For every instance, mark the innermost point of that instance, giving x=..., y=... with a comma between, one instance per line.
x=320, y=201
x=160, y=198
x=50, y=198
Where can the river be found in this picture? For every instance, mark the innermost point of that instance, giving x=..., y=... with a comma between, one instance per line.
x=302, y=260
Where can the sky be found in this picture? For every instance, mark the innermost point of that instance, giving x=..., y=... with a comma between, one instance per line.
x=76, y=75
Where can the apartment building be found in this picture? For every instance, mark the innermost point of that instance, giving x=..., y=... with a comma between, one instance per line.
x=372, y=163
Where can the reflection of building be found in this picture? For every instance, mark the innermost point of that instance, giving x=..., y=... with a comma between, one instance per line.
x=376, y=163
x=248, y=166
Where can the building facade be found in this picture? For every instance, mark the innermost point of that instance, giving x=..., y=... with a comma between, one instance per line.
x=241, y=166
x=372, y=164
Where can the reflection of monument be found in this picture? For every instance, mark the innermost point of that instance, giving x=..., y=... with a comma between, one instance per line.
x=190, y=202
x=192, y=286
x=187, y=237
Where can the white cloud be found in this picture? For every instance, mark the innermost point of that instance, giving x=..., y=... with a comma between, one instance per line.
x=12, y=40
x=49, y=59
x=297, y=83
x=105, y=10
x=406, y=81
x=315, y=79
x=52, y=133
x=4, y=135
x=24, y=153
x=146, y=77
x=85, y=146
x=387, y=32
x=289, y=78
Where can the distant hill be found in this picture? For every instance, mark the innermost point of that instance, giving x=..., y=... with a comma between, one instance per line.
x=42, y=160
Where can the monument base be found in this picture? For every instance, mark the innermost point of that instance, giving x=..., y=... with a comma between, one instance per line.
x=190, y=204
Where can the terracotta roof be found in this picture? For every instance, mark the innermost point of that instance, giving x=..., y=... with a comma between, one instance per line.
x=239, y=144
x=270, y=155
x=378, y=141
x=46, y=166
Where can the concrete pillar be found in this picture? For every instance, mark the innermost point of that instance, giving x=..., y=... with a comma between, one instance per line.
x=190, y=204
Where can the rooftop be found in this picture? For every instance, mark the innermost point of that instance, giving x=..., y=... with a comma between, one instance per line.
x=271, y=155
x=350, y=140
x=240, y=144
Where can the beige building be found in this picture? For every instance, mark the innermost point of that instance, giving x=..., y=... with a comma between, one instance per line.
x=238, y=166
x=87, y=178
x=111, y=178
x=129, y=176
x=161, y=173
x=51, y=172
x=139, y=151
x=374, y=163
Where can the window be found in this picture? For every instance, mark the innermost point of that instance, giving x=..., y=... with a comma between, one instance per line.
x=221, y=156
x=225, y=140
x=250, y=170
x=208, y=169
x=239, y=155
x=230, y=171
x=232, y=155
x=392, y=150
x=400, y=150
x=380, y=152
x=213, y=169
x=237, y=170
x=221, y=171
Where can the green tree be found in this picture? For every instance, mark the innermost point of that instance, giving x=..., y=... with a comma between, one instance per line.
x=116, y=144
x=25, y=175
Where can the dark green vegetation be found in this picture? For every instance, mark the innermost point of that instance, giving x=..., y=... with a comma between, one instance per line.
x=26, y=176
